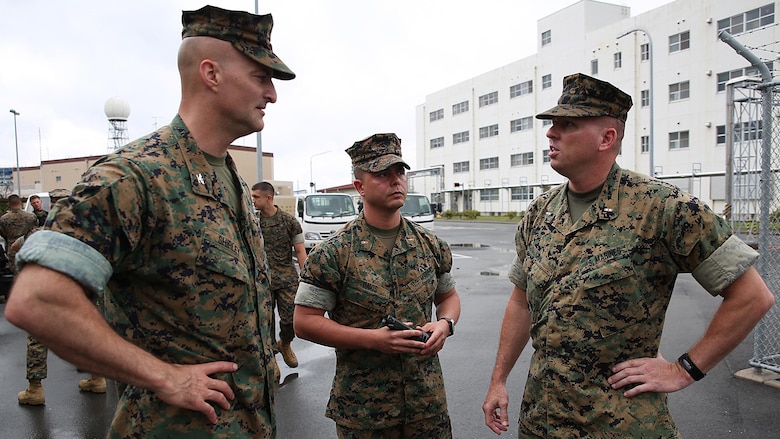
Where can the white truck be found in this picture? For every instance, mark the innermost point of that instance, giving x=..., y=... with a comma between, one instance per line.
x=417, y=208
x=323, y=214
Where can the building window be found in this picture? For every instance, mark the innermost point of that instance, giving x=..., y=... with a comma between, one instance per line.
x=523, y=159
x=523, y=88
x=461, y=137
x=679, y=91
x=725, y=77
x=460, y=167
x=488, y=194
x=546, y=37
x=678, y=140
x=488, y=163
x=594, y=67
x=644, y=51
x=748, y=131
x=645, y=98
x=546, y=81
x=436, y=115
x=522, y=193
x=488, y=99
x=618, y=60
x=58, y=179
x=645, y=144
x=521, y=124
x=679, y=41
x=545, y=156
x=720, y=135
x=755, y=18
x=488, y=131
x=437, y=142
x=460, y=107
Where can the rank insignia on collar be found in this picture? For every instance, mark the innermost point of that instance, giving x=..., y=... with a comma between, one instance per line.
x=200, y=179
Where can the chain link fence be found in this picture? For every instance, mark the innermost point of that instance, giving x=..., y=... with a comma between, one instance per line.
x=753, y=187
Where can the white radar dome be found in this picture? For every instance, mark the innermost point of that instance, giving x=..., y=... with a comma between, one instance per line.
x=117, y=109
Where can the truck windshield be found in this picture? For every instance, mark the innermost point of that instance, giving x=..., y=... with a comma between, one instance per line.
x=416, y=205
x=330, y=206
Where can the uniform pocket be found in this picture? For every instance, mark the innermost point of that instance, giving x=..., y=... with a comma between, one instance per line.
x=421, y=284
x=611, y=299
x=221, y=297
x=539, y=278
x=221, y=256
x=362, y=294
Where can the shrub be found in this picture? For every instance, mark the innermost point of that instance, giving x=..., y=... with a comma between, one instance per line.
x=511, y=214
x=448, y=214
x=471, y=214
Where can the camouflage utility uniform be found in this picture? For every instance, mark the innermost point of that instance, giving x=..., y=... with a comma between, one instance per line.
x=21, y=224
x=280, y=232
x=187, y=283
x=13, y=225
x=37, y=352
x=41, y=216
x=371, y=389
x=597, y=292
x=36, y=364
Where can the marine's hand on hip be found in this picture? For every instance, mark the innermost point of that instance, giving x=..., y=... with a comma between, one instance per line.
x=191, y=387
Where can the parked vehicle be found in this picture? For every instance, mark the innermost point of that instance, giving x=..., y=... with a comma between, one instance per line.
x=323, y=214
x=417, y=208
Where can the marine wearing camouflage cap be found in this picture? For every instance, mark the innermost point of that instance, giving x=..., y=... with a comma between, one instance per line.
x=376, y=153
x=249, y=33
x=584, y=96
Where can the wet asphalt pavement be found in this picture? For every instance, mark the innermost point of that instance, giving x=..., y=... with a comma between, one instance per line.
x=719, y=406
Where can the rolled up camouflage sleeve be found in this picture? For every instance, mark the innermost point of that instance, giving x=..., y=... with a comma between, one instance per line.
x=315, y=297
x=66, y=255
x=517, y=275
x=725, y=265
x=446, y=283
x=320, y=280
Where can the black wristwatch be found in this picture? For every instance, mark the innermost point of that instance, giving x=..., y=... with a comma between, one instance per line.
x=451, y=323
x=691, y=367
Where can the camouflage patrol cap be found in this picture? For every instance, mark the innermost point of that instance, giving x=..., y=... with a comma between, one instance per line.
x=249, y=33
x=376, y=153
x=584, y=96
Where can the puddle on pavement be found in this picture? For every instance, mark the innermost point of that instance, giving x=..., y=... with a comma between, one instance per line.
x=468, y=246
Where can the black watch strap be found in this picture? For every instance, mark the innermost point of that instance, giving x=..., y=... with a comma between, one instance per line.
x=451, y=323
x=691, y=367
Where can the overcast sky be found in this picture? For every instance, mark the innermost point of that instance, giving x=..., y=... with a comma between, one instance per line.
x=363, y=67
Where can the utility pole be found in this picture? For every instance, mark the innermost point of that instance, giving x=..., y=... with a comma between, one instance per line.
x=259, y=134
x=18, y=171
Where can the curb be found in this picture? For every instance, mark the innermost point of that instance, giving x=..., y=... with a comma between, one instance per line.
x=760, y=376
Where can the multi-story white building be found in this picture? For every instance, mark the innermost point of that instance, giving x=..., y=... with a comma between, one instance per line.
x=484, y=149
